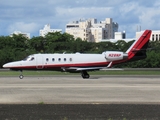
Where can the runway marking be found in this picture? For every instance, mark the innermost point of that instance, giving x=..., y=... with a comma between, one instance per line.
x=75, y=86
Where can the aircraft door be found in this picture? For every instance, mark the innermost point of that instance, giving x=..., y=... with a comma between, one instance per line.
x=39, y=62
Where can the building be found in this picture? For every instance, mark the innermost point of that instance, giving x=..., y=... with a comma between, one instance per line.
x=120, y=35
x=155, y=36
x=92, y=31
x=27, y=35
x=47, y=29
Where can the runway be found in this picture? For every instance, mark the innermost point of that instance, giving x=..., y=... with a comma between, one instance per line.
x=75, y=90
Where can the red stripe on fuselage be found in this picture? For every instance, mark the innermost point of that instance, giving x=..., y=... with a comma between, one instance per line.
x=55, y=66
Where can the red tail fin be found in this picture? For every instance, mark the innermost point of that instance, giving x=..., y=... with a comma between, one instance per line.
x=138, y=48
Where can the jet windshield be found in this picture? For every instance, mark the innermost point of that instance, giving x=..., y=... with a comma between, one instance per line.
x=29, y=58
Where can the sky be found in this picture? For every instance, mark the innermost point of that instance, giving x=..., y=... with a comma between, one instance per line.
x=31, y=15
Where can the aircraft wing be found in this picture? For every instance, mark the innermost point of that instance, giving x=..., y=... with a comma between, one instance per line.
x=82, y=68
x=76, y=69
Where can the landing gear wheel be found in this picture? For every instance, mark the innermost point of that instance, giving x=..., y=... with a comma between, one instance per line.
x=85, y=75
x=21, y=76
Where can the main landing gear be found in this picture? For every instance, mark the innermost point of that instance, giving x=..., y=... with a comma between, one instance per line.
x=21, y=76
x=84, y=74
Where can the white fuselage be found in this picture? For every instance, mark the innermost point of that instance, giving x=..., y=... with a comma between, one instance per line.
x=61, y=61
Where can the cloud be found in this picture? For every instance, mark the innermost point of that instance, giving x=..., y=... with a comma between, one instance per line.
x=82, y=12
x=133, y=14
x=30, y=15
x=148, y=19
x=25, y=10
x=23, y=27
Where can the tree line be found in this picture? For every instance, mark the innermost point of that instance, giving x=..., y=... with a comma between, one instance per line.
x=18, y=47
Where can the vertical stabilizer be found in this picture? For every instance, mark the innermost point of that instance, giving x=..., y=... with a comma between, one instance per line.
x=138, y=48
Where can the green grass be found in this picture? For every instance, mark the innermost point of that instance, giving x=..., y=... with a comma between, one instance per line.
x=107, y=72
x=127, y=72
x=41, y=103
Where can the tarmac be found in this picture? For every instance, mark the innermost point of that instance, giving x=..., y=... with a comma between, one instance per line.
x=74, y=89
x=71, y=97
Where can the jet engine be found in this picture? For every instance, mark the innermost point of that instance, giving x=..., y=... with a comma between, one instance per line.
x=115, y=55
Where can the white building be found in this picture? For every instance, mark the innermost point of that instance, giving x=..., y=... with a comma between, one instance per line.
x=47, y=29
x=120, y=35
x=155, y=36
x=92, y=31
x=27, y=35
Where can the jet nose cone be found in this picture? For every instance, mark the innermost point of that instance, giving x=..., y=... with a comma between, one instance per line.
x=12, y=65
x=6, y=65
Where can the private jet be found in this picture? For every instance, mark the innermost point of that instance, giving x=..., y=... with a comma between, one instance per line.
x=82, y=63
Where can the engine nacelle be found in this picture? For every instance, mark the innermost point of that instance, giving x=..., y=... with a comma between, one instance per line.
x=115, y=55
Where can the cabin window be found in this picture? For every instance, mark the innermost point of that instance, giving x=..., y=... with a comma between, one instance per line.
x=65, y=59
x=59, y=59
x=53, y=59
x=70, y=59
x=47, y=59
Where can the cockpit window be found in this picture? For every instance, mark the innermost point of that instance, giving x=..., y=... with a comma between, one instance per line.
x=29, y=58
x=25, y=59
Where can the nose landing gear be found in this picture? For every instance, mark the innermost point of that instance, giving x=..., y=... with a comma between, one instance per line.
x=21, y=76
